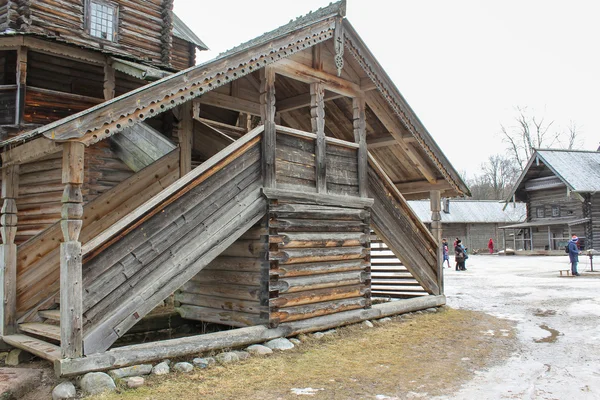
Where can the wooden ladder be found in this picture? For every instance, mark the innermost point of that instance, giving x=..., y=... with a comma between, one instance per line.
x=39, y=338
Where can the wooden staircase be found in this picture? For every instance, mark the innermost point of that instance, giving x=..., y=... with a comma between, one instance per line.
x=39, y=338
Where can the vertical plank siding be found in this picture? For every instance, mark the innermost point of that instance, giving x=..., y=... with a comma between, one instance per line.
x=342, y=170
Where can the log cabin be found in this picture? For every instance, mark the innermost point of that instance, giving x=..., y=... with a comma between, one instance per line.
x=245, y=188
x=560, y=189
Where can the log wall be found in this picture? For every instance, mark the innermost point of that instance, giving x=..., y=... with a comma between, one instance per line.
x=183, y=54
x=319, y=259
x=233, y=289
x=594, y=227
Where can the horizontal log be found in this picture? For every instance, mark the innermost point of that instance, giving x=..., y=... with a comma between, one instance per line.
x=317, y=198
x=225, y=317
x=241, y=264
x=230, y=277
x=303, y=283
x=305, y=269
x=224, y=290
x=293, y=256
x=246, y=306
x=319, y=295
x=316, y=225
x=317, y=212
x=148, y=352
x=318, y=309
x=245, y=248
x=326, y=239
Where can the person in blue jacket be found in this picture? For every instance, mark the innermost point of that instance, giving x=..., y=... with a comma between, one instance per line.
x=574, y=254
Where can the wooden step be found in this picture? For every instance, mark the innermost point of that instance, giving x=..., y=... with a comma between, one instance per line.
x=34, y=346
x=40, y=329
x=54, y=315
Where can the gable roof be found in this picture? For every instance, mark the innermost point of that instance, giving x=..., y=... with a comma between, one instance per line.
x=182, y=31
x=472, y=211
x=111, y=117
x=579, y=170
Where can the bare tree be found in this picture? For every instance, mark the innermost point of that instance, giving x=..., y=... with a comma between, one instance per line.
x=498, y=175
x=532, y=132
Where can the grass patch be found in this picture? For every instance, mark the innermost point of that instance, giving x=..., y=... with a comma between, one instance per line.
x=431, y=354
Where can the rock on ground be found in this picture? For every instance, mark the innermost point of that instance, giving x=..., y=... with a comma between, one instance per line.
x=318, y=335
x=330, y=332
x=161, y=369
x=65, y=390
x=295, y=341
x=385, y=320
x=280, y=344
x=431, y=310
x=203, y=362
x=17, y=356
x=259, y=350
x=243, y=355
x=16, y=382
x=227, y=357
x=97, y=382
x=136, y=370
x=134, y=382
x=183, y=367
x=367, y=324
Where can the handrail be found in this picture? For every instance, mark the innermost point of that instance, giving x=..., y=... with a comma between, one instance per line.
x=400, y=198
x=170, y=194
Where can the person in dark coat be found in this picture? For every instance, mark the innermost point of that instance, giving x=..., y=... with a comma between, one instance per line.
x=459, y=256
x=574, y=254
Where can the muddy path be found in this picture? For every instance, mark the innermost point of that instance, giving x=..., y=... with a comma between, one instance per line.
x=557, y=324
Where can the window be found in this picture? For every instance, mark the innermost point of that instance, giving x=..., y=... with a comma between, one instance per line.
x=556, y=211
x=539, y=212
x=101, y=18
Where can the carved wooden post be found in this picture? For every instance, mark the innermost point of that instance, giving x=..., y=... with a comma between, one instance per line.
x=436, y=230
x=360, y=136
x=317, y=114
x=8, y=249
x=267, y=114
x=71, y=333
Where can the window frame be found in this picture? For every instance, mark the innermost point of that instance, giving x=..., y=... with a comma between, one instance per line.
x=555, y=207
x=88, y=20
x=537, y=212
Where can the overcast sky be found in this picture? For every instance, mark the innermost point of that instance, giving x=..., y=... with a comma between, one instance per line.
x=463, y=66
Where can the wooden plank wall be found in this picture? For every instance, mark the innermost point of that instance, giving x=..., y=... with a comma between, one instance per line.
x=183, y=54
x=320, y=260
x=295, y=163
x=140, y=26
x=132, y=276
x=126, y=83
x=342, y=170
x=233, y=289
x=595, y=223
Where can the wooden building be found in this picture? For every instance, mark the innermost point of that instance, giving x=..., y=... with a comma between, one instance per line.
x=560, y=188
x=473, y=221
x=247, y=185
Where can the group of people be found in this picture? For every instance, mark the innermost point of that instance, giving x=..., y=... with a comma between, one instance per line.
x=460, y=254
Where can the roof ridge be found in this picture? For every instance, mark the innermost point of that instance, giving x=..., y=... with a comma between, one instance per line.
x=569, y=150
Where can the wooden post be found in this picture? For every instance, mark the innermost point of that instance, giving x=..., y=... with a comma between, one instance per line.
x=504, y=240
x=185, y=136
x=317, y=114
x=360, y=136
x=71, y=333
x=8, y=249
x=21, y=83
x=514, y=239
x=267, y=114
x=436, y=231
x=109, y=80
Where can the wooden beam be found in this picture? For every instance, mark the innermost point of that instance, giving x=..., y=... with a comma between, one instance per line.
x=30, y=151
x=399, y=132
x=301, y=101
x=435, y=198
x=421, y=186
x=185, y=137
x=8, y=250
x=317, y=113
x=366, y=84
x=109, y=80
x=21, y=84
x=360, y=137
x=71, y=295
x=267, y=113
x=375, y=143
x=67, y=51
x=295, y=70
x=221, y=100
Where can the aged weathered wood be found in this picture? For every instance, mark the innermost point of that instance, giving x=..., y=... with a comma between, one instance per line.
x=292, y=270
x=317, y=199
x=141, y=145
x=360, y=137
x=226, y=317
x=8, y=250
x=435, y=197
x=30, y=151
x=21, y=83
x=40, y=329
x=109, y=80
x=313, y=310
x=318, y=295
x=317, y=112
x=309, y=211
x=185, y=136
x=137, y=354
x=34, y=346
x=230, y=103
x=292, y=256
x=325, y=239
x=267, y=112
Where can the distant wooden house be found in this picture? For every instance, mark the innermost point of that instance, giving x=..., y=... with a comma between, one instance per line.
x=247, y=185
x=561, y=189
x=473, y=221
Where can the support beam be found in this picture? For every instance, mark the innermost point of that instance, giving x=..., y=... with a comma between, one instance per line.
x=360, y=137
x=435, y=198
x=30, y=151
x=21, y=84
x=109, y=80
x=70, y=252
x=317, y=114
x=221, y=100
x=185, y=137
x=367, y=84
x=301, y=101
x=267, y=113
x=295, y=70
x=375, y=143
x=8, y=250
x=421, y=187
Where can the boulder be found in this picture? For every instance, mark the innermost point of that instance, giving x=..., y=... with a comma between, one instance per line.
x=431, y=310
x=243, y=355
x=183, y=367
x=280, y=344
x=203, y=362
x=65, y=390
x=367, y=324
x=385, y=320
x=318, y=335
x=295, y=341
x=161, y=369
x=136, y=370
x=17, y=356
x=330, y=332
x=134, y=382
x=259, y=350
x=96, y=383
x=227, y=357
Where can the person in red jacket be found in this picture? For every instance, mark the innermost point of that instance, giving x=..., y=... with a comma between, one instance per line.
x=491, y=246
